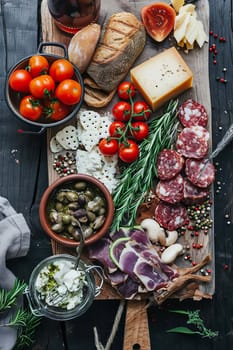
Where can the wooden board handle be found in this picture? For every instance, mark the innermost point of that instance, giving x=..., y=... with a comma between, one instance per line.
x=137, y=336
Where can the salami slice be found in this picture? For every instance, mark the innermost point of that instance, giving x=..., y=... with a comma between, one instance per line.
x=169, y=164
x=171, y=191
x=193, y=142
x=192, y=113
x=170, y=216
x=194, y=194
x=200, y=173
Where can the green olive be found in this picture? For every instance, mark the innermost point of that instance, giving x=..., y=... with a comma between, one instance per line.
x=80, y=186
x=59, y=206
x=66, y=219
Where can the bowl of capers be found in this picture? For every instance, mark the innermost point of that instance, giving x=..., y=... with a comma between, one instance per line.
x=75, y=205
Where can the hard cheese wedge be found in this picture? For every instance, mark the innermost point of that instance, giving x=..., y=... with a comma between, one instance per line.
x=162, y=77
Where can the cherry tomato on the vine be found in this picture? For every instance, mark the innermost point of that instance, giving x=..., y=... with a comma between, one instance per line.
x=116, y=129
x=108, y=147
x=141, y=108
x=55, y=110
x=69, y=91
x=126, y=89
x=128, y=151
x=122, y=111
x=139, y=130
x=38, y=65
x=42, y=86
x=61, y=69
x=19, y=80
x=30, y=108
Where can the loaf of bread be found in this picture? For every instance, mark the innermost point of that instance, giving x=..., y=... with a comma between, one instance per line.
x=82, y=46
x=122, y=42
x=96, y=97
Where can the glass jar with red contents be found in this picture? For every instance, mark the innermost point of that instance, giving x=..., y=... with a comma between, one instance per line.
x=72, y=15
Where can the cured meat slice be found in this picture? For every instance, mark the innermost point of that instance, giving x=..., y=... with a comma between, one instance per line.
x=171, y=191
x=193, y=142
x=170, y=216
x=169, y=164
x=194, y=194
x=200, y=173
x=192, y=113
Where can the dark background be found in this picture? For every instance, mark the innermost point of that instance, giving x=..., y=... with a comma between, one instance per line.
x=23, y=178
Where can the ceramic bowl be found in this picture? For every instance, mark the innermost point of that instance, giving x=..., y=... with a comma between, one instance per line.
x=54, y=206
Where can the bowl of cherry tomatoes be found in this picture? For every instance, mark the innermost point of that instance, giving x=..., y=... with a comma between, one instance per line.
x=44, y=90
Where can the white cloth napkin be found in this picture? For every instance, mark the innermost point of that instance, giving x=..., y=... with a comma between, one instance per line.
x=14, y=242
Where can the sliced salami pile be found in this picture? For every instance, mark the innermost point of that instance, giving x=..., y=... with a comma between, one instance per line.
x=184, y=174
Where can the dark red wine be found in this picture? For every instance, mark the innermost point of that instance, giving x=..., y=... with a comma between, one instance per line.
x=72, y=15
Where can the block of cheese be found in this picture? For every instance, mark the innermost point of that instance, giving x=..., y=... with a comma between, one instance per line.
x=162, y=77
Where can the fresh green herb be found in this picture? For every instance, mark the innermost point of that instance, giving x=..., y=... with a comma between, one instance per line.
x=25, y=322
x=8, y=298
x=195, y=320
x=26, y=333
x=137, y=179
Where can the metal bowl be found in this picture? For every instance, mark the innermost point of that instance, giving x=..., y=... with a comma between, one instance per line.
x=13, y=98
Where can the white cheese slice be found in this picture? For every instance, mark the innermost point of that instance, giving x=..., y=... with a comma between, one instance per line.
x=67, y=137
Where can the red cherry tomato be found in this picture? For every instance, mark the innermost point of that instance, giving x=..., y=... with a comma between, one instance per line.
x=19, y=80
x=121, y=111
x=116, y=128
x=56, y=110
x=142, y=109
x=42, y=86
x=108, y=147
x=30, y=108
x=61, y=69
x=38, y=65
x=69, y=91
x=158, y=19
x=126, y=89
x=128, y=152
x=140, y=130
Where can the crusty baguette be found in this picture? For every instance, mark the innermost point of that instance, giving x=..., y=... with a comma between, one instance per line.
x=123, y=41
x=94, y=96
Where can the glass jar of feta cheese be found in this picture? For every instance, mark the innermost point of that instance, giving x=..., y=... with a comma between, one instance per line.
x=60, y=291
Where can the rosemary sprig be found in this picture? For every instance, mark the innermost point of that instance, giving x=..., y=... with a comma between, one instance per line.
x=27, y=332
x=137, y=179
x=8, y=298
x=195, y=320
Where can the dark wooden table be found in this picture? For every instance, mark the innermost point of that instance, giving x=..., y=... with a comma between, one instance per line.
x=23, y=178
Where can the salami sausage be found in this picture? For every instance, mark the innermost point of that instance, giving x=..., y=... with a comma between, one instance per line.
x=194, y=194
x=169, y=164
x=171, y=191
x=200, y=173
x=192, y=113
x=193, y=142
x=170, y=216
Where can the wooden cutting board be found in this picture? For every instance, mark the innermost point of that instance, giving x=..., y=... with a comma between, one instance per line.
x=136, y=325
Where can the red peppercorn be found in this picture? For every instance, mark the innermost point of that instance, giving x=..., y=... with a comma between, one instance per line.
x=194, y=263
x=209, y=271
x=211, y=32
x=196, y=233
x=190, y=228
x=194, y=245
x=226, y=267
x=215, y=35
x=214, y=61
x=222, y=80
